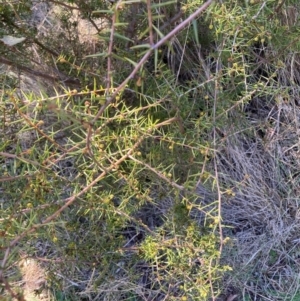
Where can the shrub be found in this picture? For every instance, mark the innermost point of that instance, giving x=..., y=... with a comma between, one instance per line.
x=177, y=180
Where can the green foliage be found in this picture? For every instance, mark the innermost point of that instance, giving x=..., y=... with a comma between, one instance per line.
x=122, y=185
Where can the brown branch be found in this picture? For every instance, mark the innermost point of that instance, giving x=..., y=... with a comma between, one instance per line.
x=14, y=295
x=71, y=81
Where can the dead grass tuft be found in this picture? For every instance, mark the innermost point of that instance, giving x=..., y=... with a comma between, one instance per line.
x=262, y=213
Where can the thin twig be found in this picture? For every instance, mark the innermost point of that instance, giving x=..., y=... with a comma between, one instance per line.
x=151, y=40
x=26, y=69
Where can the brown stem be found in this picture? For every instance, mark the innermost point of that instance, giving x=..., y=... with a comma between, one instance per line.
x=26, y=69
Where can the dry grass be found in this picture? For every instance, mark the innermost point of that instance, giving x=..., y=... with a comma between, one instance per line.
x=262, y=170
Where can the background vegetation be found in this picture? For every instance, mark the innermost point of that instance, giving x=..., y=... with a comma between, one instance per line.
x=145, y=157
